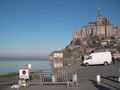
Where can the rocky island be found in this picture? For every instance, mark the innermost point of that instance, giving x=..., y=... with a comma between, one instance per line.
x=100, y=35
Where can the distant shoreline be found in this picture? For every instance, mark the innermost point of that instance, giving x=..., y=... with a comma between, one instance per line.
x=10, y=74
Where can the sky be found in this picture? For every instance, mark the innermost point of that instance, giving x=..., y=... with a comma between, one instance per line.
x=35, y=28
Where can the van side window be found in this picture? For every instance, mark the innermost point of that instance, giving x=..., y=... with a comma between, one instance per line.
x=90, y=57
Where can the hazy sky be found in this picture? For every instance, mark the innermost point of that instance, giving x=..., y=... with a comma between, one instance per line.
x=34, y=28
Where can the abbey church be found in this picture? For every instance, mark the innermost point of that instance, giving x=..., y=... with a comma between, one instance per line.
x=102, y=27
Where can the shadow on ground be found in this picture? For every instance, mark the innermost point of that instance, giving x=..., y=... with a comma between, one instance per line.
x=111, y=78
x=99, y=86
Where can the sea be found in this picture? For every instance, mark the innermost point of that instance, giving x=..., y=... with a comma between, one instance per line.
x=14, y=65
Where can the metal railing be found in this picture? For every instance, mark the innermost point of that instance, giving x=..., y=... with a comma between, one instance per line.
x=57, y=76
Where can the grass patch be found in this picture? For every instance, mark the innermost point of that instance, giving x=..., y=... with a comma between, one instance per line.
x=9, y=75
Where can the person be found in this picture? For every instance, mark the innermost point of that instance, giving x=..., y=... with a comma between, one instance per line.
x=82, y=59
x=113, y=59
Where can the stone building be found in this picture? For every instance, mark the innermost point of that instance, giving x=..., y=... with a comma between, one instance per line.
x=102, y=27
x=56, y=59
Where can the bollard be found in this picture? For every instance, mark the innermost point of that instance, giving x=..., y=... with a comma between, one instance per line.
x=118, y=79
x=98, y=79
x=75, y=78
x=53, y=79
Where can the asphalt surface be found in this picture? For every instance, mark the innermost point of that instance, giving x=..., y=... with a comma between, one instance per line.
x=86, y=80
x=87, y=77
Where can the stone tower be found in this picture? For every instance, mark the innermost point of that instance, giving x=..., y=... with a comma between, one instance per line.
x=98, y=17
x=101, y=27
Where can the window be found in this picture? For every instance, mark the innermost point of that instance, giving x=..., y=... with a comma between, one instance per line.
x=90, y=57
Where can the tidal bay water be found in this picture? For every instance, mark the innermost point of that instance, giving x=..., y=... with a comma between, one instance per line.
x=7, y=66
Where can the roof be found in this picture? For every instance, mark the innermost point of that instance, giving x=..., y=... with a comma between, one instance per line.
x=92, y=23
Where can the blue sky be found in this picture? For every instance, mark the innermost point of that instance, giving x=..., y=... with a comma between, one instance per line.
x=34, y=28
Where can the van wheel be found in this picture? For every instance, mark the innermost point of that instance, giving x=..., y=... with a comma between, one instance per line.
x=105, y=63
x=87, y=64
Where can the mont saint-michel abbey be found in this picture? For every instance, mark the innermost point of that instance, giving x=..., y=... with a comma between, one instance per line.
x=102, y=27
x=97, y=36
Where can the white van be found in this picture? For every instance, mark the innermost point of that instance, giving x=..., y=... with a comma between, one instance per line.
x=98, y=58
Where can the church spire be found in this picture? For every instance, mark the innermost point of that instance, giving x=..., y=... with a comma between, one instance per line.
x=99, y=17
x=98, y=12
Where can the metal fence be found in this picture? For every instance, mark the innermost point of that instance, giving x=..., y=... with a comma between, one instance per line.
x=46, y=75
x=54, y=76
x=64, y=75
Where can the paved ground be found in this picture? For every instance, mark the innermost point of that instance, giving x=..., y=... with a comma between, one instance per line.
x=86, y=80
x=109, y=76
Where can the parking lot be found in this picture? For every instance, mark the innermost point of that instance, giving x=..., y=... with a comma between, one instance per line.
x=109, y=77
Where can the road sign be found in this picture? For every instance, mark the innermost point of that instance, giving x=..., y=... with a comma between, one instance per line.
x=24, y=73
x=29, y=66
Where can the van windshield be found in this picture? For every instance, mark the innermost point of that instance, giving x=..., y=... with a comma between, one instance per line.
x=90, y=57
